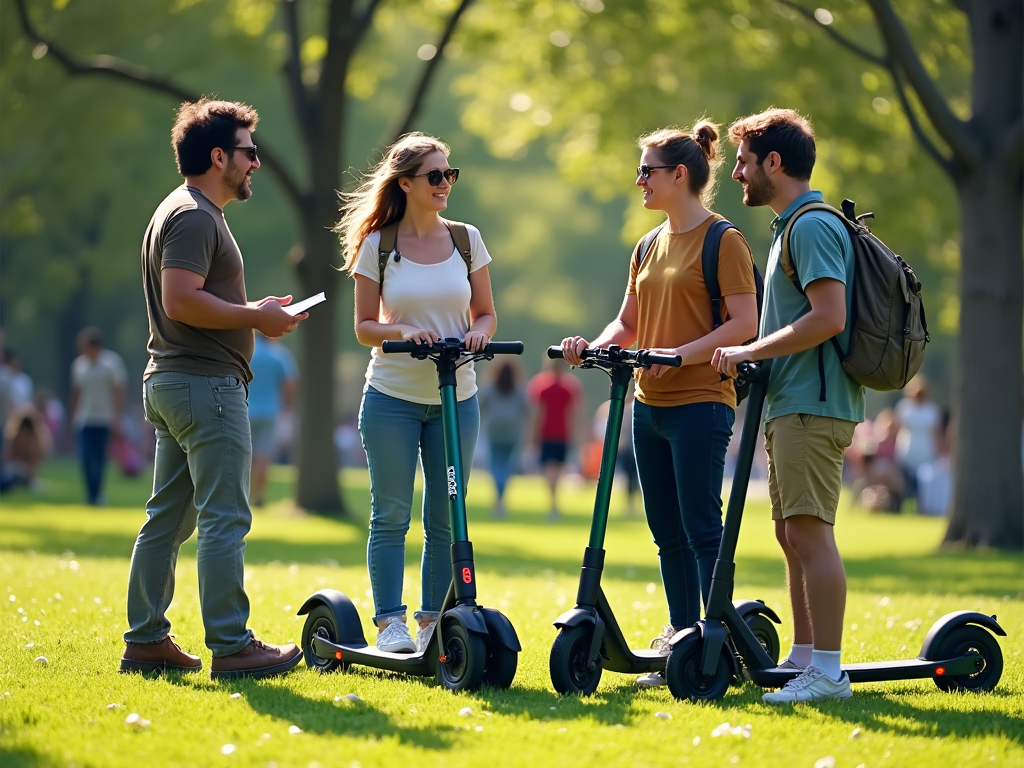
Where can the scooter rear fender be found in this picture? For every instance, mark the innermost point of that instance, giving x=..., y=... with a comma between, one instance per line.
x=747, y=607
x=346, y=617
x=951, y=621
x=576, y=616
x=498, y=626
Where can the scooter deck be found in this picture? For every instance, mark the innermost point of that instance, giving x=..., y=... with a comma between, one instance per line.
x=423, y=664
x=879, y=671
x=619, y=657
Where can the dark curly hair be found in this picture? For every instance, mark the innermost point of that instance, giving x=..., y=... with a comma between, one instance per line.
x=201, y=126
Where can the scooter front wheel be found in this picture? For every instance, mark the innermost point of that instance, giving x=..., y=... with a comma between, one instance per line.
x=685, y=678
x=501, y=664
x=972, y=639
x=461, y=667
x=572, y=669
x=320, y=622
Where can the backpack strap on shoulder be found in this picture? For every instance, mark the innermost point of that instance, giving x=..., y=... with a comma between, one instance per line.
x=388, y=241
x=460, y=237
x=643, y=247
x=709, y=265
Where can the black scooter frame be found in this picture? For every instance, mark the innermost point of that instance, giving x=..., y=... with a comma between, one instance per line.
x=959, y=652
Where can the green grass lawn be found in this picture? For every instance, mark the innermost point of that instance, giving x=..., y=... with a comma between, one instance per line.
x=63, y=568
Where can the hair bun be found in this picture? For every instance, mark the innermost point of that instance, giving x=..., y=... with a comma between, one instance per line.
x=705, y=133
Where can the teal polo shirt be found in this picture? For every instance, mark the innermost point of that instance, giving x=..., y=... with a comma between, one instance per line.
x=820, y=247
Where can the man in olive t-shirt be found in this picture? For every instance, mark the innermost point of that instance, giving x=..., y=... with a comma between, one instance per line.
x=195, y=395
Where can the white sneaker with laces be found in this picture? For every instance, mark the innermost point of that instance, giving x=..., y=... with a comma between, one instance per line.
x=423, y=637
x=395, y=637
x=651, y=680
x=660, y=643
x=789, y=664
x=812, y=685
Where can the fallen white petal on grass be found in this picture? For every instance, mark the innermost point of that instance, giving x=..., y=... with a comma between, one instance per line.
x=234, y=696
x=696, y=740
x=856, y=733
x=825, y=762
x=663, y=715
x=353, y=697
x=725, y=729
x=479, y=728
x=465, y=712
x=29, y=645
x=41, y=660
x=227, y=749
x=135, y=719
x=294, y=729
x=113, y=706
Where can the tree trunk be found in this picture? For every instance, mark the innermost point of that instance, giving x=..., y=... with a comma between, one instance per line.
x=317, y=487
x=988, y=502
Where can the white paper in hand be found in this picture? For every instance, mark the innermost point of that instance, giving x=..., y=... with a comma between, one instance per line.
x=299, y=307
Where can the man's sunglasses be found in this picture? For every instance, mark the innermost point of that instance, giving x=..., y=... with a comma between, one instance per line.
x=645, y=169
x=434, y=177
x=250, y=152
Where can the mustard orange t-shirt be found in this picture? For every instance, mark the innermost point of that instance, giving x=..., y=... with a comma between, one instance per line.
x=674, y=308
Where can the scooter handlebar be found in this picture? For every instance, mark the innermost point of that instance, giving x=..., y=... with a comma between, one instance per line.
x=494, y=348
x=641, y=357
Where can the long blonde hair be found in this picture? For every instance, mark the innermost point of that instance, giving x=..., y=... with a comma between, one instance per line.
x=379, y=200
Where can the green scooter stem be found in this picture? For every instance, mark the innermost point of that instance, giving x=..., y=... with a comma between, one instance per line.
x=621, y=378
x=452, y=452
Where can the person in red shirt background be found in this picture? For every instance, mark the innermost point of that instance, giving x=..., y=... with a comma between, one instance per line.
x=555, y=396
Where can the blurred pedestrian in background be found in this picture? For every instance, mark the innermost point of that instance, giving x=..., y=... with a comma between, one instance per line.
x=97, y=401
x=19, y=383
x=271, y=391
x=919, y=422
x=27, y=443
x=503, y=411
x=555, y=396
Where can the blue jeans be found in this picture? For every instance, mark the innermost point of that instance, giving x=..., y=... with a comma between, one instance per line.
x=503, y=456
x=92, y=452
x=200, y=477
x=394, y=433
x=680, y=457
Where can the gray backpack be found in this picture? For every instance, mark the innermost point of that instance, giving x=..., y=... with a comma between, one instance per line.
x=888, y=329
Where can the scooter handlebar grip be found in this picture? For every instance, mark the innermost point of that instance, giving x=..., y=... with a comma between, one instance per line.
x=391, y=346
x=673, y=361
x=506, y=348
x=555, y=353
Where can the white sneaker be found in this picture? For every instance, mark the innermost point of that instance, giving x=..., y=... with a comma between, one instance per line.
x=423, y=637
x=660, y=643
x=395, y=637
x=651, y=680
x=812, y=685
x=789, y=664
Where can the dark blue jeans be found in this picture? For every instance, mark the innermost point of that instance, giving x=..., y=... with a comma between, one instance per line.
x=680, y=457
x=92, y=452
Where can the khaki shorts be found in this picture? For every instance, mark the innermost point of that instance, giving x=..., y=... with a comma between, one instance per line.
x=805, y=464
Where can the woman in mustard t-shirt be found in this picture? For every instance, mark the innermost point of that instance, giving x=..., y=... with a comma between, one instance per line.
x=683, y=417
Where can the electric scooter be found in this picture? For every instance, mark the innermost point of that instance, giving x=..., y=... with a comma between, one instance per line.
x=471, y=645
x=959, y=652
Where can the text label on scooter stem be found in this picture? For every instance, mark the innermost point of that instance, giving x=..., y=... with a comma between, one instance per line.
x=453, y=487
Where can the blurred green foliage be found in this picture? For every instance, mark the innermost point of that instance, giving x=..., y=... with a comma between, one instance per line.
x=541, y=100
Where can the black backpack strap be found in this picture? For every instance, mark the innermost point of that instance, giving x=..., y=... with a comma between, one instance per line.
x=460, y=237
x=709, y=265
x=644, y=246
x=388, y=241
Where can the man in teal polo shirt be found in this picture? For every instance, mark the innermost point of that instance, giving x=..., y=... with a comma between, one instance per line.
x=812, y=406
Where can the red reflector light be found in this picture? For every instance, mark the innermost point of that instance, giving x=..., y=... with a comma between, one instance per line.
x=443, y=659
x=337, y=655
x=940, y=670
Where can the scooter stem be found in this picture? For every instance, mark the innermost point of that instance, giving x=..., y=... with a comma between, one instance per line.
x=452, y=452
x=621, y=378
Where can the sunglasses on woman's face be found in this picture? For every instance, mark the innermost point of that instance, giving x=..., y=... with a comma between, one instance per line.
x=434, y=177
x=645, y=169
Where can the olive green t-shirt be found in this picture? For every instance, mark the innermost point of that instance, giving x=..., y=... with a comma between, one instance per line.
x=189, y=232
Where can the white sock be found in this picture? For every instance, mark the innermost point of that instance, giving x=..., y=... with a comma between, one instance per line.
x=800, y=654
x=827, y=662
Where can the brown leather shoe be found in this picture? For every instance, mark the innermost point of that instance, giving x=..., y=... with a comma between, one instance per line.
x=165, y=656
x=257, y=659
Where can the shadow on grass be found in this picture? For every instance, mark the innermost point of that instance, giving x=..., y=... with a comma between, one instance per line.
x=879, y=711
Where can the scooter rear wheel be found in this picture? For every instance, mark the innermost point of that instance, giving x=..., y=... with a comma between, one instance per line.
x=967, y=639
x=685, y=678
x=500, y=666
x=464, y=655
x=570, y=662
x=764, y=630
x=320, y=622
